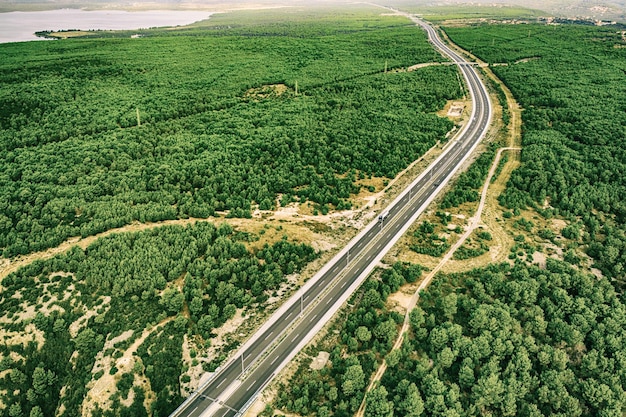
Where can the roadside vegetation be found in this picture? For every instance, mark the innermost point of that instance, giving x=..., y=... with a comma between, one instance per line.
x=574, y=135
x=73, y=318
x=101, y=133
x=539, y=334
x=357, y=341
x=505, y=341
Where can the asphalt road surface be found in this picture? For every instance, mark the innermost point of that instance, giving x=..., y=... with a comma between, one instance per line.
x=236, y=383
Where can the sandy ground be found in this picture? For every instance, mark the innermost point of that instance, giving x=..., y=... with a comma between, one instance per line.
x=320, y=361
x=102, y=389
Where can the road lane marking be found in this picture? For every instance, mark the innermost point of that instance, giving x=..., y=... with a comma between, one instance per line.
x=474, y=84
x=344, y=284
x=218, y=385
x=272, y=332
x=296, y=336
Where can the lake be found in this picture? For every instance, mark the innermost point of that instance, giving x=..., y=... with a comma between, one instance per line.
x=21, y=26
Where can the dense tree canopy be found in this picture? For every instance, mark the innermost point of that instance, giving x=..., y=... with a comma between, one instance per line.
x=570, y=81
x=187, y=279
x=508, y=341
x=367, y=334
x=108, y=131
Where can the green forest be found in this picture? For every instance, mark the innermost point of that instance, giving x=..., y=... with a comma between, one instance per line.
x=184, y=280
x=570, y=80
x=97, y=133
x=510, y=341
x=367, y=333
x=516, y=339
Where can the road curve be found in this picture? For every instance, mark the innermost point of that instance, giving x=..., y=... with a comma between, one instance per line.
x=236, y=384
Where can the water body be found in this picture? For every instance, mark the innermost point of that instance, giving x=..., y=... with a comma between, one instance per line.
x=21, y=26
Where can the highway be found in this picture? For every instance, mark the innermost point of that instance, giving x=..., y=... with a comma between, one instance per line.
x=236, y=384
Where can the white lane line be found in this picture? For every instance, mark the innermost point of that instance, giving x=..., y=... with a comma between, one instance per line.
x=275, y=359
x=271, y=333
x=289, y=314
x=344, y=284
x=295, y=337
x=218, y=385
x=252, y=384
x=192, y=411
x=329, y=300
x=313, y=318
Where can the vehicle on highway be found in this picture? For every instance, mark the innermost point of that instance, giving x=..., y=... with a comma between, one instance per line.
x=382, y=216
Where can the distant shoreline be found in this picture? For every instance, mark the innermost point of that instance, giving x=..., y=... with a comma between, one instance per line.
x=22, y=26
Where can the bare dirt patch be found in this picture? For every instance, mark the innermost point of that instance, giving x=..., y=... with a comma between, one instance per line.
x=320, y=361
x=266, y=91
x=455, y=109
x=401, y=299
x=101, y=390
x=83, y=320
x=425, y=64
x=30, y=334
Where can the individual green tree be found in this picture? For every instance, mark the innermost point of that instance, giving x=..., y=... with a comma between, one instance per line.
x=195, y=306
x=466, y=374
x=377, y=404
x=416, y=318
x=180, y=322
x=386, y=332
x=36, y=412
x=393, y=358
x=488, y=391
x=448, y=305
x=17, y=377
x=172, y=300
x=15, y=410
x=333, y=394
x=40, y=381
x=85, y=340
x=229, y=311
x=446, y=358
x=205, y=325
x=363, y=334
x=59, y=325
x=31, y=396
x=353, y=380
x=410, y=402
x=372, y=298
